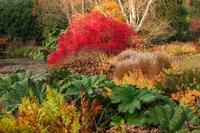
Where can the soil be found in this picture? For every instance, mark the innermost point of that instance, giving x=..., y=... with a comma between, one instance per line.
x=9, y=65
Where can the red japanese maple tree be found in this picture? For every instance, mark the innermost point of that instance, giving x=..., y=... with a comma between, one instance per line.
x=93, y=31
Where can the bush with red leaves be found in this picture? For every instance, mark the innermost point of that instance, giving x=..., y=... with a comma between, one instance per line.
x=93, y=31
x=195, y=28
x=3, y=41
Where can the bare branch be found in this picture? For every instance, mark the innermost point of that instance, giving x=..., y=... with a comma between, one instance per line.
x=144, y=16
x=123, y=12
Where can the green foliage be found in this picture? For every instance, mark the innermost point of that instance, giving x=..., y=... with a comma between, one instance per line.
x=169, y=118
x=182, y=22
x=23, y=51
x=50, y=15
x=70, y=84
x=36, y=53
x=39, y=55
x=143, y=107
x=51, y=38
x=194, y=9
x=131, y=98
x=52, y=19
x=176, y=13
x=18, y=21
x=18, y=85
x=174, y=82
x=89, y=85
x=166, y=118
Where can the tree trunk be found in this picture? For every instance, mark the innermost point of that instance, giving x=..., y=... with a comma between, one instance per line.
x=132, y=13
x=144, y=16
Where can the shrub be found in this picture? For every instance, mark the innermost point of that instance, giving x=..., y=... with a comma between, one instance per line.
x=51, y=38
x=148, y=107
x=125, y=55
x=194, y=9
x=18, y=21
x=92, y=31
x=181, y=22
x=174, y=82
x=150, y=64
x=52, y=20
x=176, y=14
x=49, y=14
x=96, y=61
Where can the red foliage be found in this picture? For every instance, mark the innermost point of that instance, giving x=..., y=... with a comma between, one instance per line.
x=3, y=41
x=93, y=31
x=195, y=28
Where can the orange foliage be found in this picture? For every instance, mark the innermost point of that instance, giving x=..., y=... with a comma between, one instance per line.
x=139, y=79
x=190, y=98
x=110, y=8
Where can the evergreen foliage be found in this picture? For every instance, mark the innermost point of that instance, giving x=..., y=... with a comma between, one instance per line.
x=18, y=20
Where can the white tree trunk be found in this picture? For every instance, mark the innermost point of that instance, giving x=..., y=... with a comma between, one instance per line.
x=83, y=6
x=134, y=17
x=133, y=13
x=144, y=16
x=123, y=12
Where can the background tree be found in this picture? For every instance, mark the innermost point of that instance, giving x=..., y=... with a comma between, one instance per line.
x=18, y=20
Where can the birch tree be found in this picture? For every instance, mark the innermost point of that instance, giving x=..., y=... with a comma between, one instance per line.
x=135, y=12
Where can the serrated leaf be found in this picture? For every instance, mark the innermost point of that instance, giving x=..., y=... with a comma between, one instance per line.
x=131, y=98
x=136, y=119
x=176, y=122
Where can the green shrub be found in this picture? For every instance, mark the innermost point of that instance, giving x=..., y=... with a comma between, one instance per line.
x=195, y=10
x=172, y=83
x=18, y=21
x=51, y=17
x=39, y=55
x=176, y=13
x=51, y=38
x=182, y=22
x=144, y=107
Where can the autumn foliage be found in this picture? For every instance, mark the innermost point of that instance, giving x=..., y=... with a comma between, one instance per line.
x=93, y=31
x=110, y=8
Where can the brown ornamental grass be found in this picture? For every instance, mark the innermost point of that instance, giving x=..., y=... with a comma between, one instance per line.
x=149, y=63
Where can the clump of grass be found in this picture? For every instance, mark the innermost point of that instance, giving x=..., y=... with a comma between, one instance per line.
x=178, y=48
x=150, y=63
x=125, y=55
